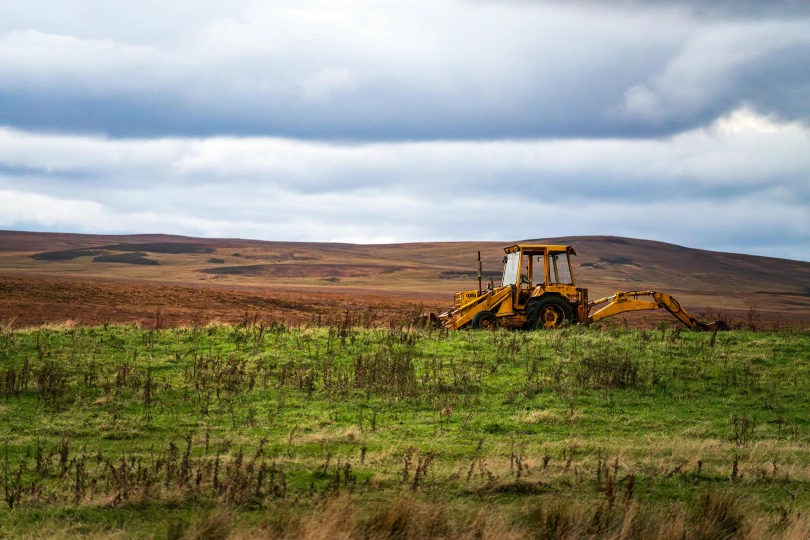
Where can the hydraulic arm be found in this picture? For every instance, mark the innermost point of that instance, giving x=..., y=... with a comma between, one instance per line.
x=628, y=301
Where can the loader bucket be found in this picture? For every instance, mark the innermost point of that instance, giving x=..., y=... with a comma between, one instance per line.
x=428, y=320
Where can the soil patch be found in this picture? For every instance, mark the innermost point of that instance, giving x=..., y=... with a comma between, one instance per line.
x=65, y=254
x=304, y=270
x=171, y=248
x=138, y=257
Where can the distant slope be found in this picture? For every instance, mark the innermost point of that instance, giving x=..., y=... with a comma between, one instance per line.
x=604, y=264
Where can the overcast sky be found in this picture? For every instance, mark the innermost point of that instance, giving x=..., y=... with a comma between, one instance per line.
x=381, y=121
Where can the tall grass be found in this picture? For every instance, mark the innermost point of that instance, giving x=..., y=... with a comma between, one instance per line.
x=397, y=432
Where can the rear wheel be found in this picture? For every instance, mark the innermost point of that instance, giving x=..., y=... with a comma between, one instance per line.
x=485, y=320
x=550, y=313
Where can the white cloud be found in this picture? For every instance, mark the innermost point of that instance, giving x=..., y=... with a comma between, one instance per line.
x=746, y=119
x=326, y=82
x=707, y=67
x=21, y=207
x=66, y=153
x=34, y=60
x=742, y=150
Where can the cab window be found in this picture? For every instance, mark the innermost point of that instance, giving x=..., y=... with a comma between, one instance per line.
x=538, y=271
x=511, y=269
x=558, y=269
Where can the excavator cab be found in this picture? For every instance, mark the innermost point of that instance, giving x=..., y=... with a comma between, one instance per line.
x=538, y=290
x=542, y=269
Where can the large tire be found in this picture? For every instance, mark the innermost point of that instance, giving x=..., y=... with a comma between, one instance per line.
x=550, y=313
x=485, y=320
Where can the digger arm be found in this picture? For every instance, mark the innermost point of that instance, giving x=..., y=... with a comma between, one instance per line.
x=628, y=301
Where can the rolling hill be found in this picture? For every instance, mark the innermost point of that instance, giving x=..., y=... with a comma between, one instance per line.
x=388, y=276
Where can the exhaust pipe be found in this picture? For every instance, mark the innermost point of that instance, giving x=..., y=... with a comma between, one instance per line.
x=480, y=273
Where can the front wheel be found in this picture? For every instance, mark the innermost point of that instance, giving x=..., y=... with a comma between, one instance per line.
x=550, y=313
x=485, y=320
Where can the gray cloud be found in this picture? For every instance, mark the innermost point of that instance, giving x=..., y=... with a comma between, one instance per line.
x=727, y=9
x=733, y=8
x=362, y=70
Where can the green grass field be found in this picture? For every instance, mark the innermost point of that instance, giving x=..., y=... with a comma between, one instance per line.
x=253, y=431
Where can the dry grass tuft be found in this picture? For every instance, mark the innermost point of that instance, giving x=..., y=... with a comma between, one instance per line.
x=352, y=434
x=407, y=518
x=215, y=526
x=799, y=529
x=557, y=519
x=721, y=515
x=335, y=520
x=541, y=417
x=492, y=525
x=516, y=487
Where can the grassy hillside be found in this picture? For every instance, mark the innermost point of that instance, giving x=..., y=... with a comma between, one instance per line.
x=428, y=272
x=390, y=433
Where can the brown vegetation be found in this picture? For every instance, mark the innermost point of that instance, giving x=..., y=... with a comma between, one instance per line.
x=30, y=301
x=127, y=278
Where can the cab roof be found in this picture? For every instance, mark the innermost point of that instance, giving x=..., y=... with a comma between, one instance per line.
x=539, y=247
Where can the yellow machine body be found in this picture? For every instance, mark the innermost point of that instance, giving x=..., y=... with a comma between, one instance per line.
x=538, y=290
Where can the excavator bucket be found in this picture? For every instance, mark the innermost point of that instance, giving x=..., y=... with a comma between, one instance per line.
x=716, y=326
x=672, y=305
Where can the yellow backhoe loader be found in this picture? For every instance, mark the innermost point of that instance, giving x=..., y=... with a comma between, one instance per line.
x=538, y=291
